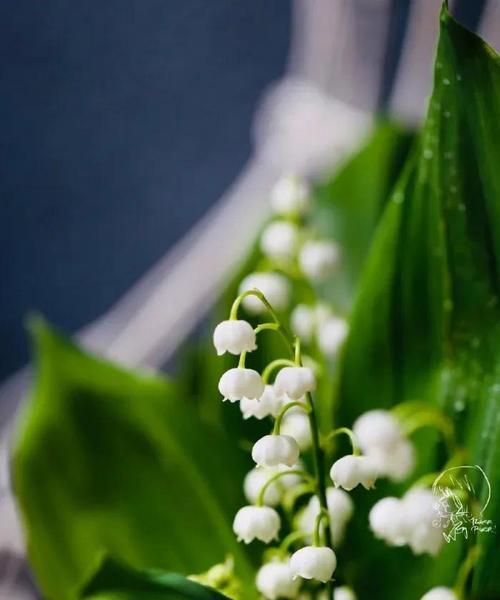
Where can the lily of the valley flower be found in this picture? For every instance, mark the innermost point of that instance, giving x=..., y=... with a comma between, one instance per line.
x=340, y=510
x=290, y=196
x=331, y=335
x=274, y=287
x=256, y=522
x=267, y=404
x=381, y=437
x=274, y=580
x=303, y=321
x=239, y=383
x=294, y=382
x=440, y=593
x=313, y=562
x=344, y=592
x=318, y=259
x=234, y=337
x=296, y=425
x=258, y=476
x=274, y=450
x=410, y=521
x=350, y=471
x=279, y=240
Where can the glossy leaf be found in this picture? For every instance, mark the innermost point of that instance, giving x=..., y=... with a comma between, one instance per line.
x=426, y=324
x=112, y=461
x=115, y=581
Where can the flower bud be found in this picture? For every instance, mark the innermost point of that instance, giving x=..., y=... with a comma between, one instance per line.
x=274, y=450
x=349, y=471
x=234, y=337
x=258, y=476
x=279, y=240
x=422, y=521
x=340, y=510
x=267, y=404
x=303, y=322
x=344, y=592
x=294, y=382
x=274, y=287
x=274, y=580
x=440, y=593
x=318, y=259
x=387, y=520
x=290, y=195
x=313, y=562
x=256, y=522
x=239, y=383
x=296, y=425
x=331, y=335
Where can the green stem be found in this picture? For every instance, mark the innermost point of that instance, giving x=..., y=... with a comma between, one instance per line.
x=278, y=328
x=317, y=534
x=281, y=414
x=279, y=362
x=431, y=418
x=241, y=362
x=465, y=570
x=273, y=478
x=355, y=449
x=290, y=539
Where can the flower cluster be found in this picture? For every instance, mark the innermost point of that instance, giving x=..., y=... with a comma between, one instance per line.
x=283, y=392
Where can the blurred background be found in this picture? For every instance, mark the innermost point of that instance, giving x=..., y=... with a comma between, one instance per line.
x=140, y=139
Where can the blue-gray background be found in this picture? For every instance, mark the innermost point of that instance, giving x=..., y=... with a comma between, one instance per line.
x=121, y=122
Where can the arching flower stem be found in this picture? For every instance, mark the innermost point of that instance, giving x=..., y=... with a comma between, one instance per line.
x=323, y=514
x=275, y=364
x=260, y=498
x=350, y=434
x=281, y=414
x=465, y=570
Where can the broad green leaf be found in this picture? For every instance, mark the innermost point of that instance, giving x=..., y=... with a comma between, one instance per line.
x=112, y=461
x=426, y=323
x=115, y=581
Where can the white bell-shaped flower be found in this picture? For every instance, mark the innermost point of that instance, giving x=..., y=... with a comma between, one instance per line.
x=274, y=450
x=313, y=562
x=274, y=287
x=279, y=240
x=294, y=382
x=256, y=522
x=377, y=429
x=303, y=321
x=239, y=383
x=274, y=580
x=340, y=510
x=424, y=536
x=387, y=520
x=234, y=337
x=267, y=404
x=344, y=592
x=258, y=476
x=350, y=471
x=290, y=195
x=318, y=259
x=331, y=335
x=440, y=593
x=396, y=464
x=296, y=425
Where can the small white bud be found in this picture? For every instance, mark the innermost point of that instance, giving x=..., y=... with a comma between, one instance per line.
x=274, y=450
x=239, y=383
x=274, y=287
x=349, y=471
x=331, y=335
x=303, y=321
x=387, y=520
x=294, y=382
x=256, y=522
x=274, y=580
x=318, y=259
x=290, y=195
x=255, y=480
x=440, y=593
x=343, y=592
x=377, y=429
x=279, y=240
x=340, y=510
x=296, y=425
x=234, y=337
x=267, y=404
x=313, y=562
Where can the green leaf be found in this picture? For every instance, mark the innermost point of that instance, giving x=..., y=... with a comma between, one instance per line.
x=112, y=461
x=426, y=323
x=115, y=581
